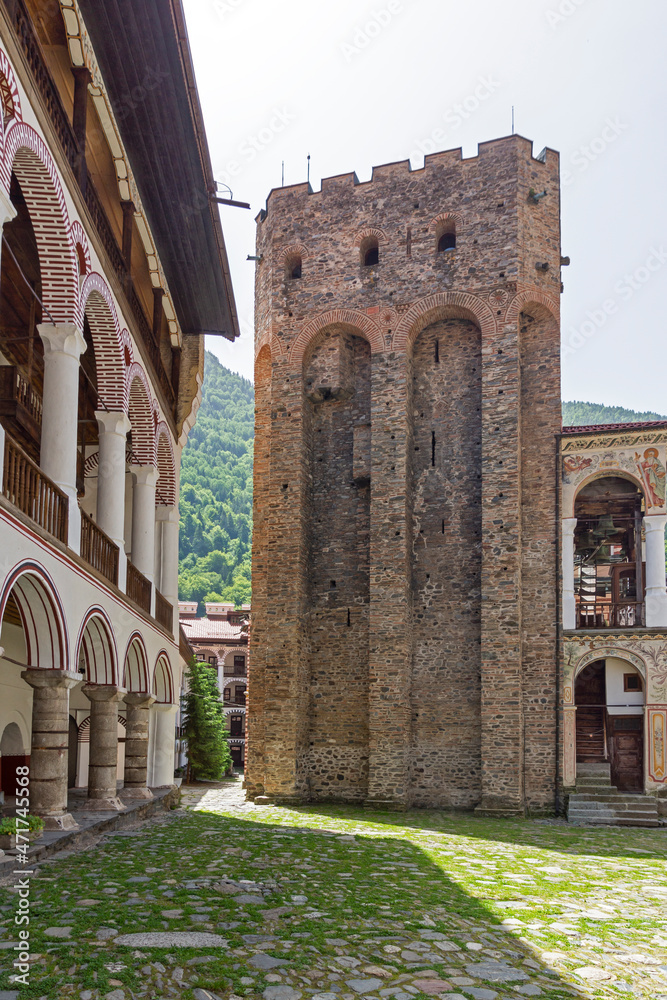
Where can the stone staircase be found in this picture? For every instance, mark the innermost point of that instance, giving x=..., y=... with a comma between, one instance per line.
x=597, y=802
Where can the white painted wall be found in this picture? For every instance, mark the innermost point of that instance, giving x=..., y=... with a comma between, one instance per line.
x=616, y=696
x=16, y=701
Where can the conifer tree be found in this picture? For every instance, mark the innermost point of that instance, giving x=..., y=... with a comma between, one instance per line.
x=205, y=732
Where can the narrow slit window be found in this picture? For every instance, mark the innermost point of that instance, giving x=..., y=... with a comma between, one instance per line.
x=433, y=448
x=437, y=352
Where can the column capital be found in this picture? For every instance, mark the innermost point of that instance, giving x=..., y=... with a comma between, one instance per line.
x=113, y=422
x=62, y=338
x=568, y=526
x=144, y=475
x=162, y=707
x=655, y=522
x=39, y=678
x=7, y=210
x=139, y=699
x=103, y=692
x=167, y=512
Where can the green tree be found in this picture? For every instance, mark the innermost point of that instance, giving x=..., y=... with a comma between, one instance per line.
x=216, y=491
x=205, y=731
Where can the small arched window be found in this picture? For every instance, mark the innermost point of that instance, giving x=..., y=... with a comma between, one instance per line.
x=372, y=256
x=293, y=266
x=369, y=251
x=447, y=242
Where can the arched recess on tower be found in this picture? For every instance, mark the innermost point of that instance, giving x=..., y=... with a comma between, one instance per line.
x=337, y=451
x=444, y=347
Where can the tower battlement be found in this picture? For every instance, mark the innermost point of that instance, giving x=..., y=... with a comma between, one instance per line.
x=487, y=152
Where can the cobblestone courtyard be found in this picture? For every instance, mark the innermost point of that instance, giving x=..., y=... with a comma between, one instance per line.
x=334, y=903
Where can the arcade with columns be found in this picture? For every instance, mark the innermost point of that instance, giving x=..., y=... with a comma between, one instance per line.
x=99, y=387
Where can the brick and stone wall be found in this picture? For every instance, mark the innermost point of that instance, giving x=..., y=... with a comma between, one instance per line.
x=404, y=570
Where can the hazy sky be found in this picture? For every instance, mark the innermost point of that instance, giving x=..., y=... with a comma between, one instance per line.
x=357, y=83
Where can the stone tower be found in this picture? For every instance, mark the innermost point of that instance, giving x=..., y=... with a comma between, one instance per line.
x=403, y=643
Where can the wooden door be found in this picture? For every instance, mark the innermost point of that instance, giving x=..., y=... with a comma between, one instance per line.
x=627, y=752
x=590, y=699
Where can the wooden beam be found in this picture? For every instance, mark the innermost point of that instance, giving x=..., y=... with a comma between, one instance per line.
x=158, y=294
x=82, y=78
x=128, y=231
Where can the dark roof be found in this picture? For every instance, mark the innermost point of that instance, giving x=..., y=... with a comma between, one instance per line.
x=144, y=55
x=640, y=425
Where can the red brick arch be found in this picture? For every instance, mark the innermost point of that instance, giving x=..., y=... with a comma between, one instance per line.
x=447, y=217
x=361, y=324
x=442, y=305
x=140, y=412
x=530, y=295
x=364, y=234
x=98, y=306
x=28, y=157
x=166, y=463
x=293, y=250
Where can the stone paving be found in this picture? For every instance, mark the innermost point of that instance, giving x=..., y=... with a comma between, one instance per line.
x=226, y=899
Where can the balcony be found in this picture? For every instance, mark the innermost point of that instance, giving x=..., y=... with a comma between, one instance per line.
x=138, y=588
x=34, y=494
x=98, y=550
x=610, y=614
x=234, y=671
x=164, y=612
x=20, y=406
x=240, y=701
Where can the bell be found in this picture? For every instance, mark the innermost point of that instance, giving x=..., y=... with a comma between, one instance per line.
x=605, y=527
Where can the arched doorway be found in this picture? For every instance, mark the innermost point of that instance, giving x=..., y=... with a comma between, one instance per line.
x=609, y=698
x=608, y=565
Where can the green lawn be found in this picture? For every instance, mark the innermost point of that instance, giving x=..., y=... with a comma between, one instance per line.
x=352, y=904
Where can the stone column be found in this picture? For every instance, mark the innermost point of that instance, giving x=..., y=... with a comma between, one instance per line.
x=63, y=346
x=136, y=746
x=567, y=570
x=50, y=740
x=656, y=593
x=113, y=428
x=103, y=760
x=167, y=582
x=164, y=740
x=143, y=518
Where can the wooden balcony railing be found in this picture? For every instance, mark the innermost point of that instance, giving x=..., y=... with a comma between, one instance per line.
x=98, y=550
x=164, y=612
x=138, y=587
x=16, y=389
x=624, y=614
x=26, y=486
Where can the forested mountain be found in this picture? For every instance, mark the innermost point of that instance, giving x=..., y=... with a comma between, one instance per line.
x=216, y=484
x=578, y=414
x=216, y=491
